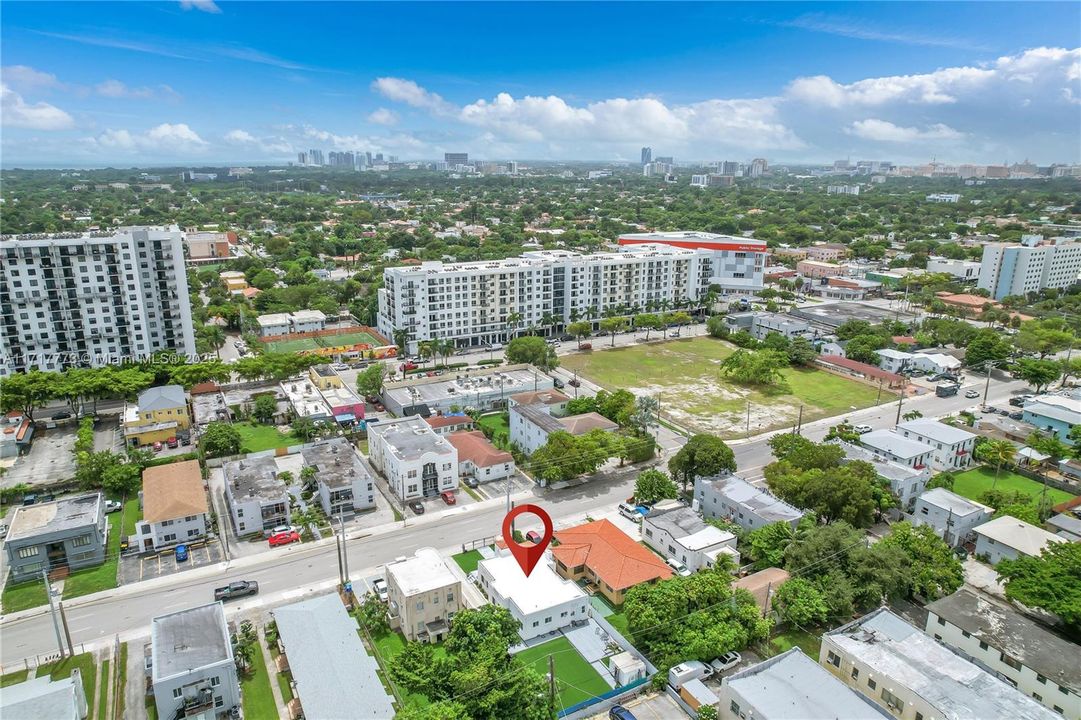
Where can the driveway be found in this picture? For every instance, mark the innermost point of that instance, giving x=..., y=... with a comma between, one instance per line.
x=135, y=568
x=650, y=707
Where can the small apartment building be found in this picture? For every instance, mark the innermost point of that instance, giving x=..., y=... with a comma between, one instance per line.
x=480, y=459
x=449, y=424
x=531, y=425
x=258, y=500
x=324, y=377
x=160, y=413
x=761, y=324
x=305, y=399
x=416, y=462
x=304, y=321
x=423, y=596
x=814, y=269
x=894, y=361
x=234, y=281
x=1007, y=538
x=1055, y=414
x=914, y=677
x=678, y=532
x=346, y=407
x=606, y=558
x=67, y=533
x=344, y=483
x=906, y=483
x=791, y=686
x=1003, y=641
x=553, y=399
x=827, y=252
x=543, y=602
x=174, y=506
x=897, y=448
x=191, y=665
x=935, y=363
x=952, y=517
x=273, y=325
x=732, y=498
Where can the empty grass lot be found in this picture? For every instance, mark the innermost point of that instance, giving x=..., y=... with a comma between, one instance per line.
x=388, y=645
x=255, y=437
x=498, y=424
x=794, y=637
x=468, y=560
x=575, y=678
x=257, y=697
x=685, y=377
x=974, y=483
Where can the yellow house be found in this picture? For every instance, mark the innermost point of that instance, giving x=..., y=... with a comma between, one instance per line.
x=234, y=281
x=160, y=413
x=324, y=377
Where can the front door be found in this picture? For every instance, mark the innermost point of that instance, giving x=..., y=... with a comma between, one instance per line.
x=56, y=554
x=430, y=479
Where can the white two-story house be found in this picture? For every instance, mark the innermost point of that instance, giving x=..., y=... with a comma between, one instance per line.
x=415, y=460
x=175, y=509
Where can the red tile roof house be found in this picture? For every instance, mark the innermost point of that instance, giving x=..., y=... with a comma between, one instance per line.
x=447, y=424
x=607, y=558
x=479, y=458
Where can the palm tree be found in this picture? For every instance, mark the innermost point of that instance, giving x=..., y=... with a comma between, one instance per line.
x=514, y=319
x=214, y=336
x=912, y=415
x=426, y=349
x=548, y=320
x=401, y=339
x=998, y=452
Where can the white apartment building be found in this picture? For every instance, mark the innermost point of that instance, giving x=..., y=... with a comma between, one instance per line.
x=1029, y=266
x=257, y=498
x=732, y=498
x=191, y=665
x=736, y=264
x=679, y=533
x=470, y=302
x=1007, y=538
x=1001, y=640
x=960, y=269
x=423, y=596
x=416, y=461
x=344, y=484
x=915, y=677
x=542, y=602
x=894, y=447
x=952, y=447
x=952, y=517
x=905, y=482
x=100, y=297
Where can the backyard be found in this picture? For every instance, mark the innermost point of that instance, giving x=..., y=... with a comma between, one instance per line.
x=387, y=645
x=468, y=560
x=808, y=642
x=499, y=426
x=576, y=679
x=92, y=580
x=255, y=437
x=684, y=375
x=974, y=483
x=257, y=697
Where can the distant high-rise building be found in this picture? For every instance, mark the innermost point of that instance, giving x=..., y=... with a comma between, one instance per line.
x=392, y=158
x=512, y=167
x=302, y=158
x=315, y=157
x=368, y=156
x=1029, y=266
x=728, y=167
x=666, y=160
x=453, y=159
x=647, y=155
x=759, y=167
x=361, y=160
x=379, y=157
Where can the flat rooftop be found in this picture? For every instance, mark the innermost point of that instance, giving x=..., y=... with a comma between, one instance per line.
x=409, y=438
x=951, y=501
x=936, y=430
x=190, y=639
x=759, y=501
x=895, y=444
x=1008, y=631
x=538, y=415
x=886, y=468
x=688, y=528
x=542, y=589
x=254, y=478
x=465, y=389
x=834, y=315
x=337, y=463
x=425, y=571
x=957, y=688
x=56, y=516
x=792, y=685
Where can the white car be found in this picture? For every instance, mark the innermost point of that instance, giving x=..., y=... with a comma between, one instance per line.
x=679, y=568
x=863, y=429
x=726, y=662
x=972, y=394
x=380, y=588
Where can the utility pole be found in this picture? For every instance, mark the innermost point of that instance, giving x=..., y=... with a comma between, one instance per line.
x=900, y=399
x=52, y=610
x=987, y=385
x=338, y=550
x=748, y=418
x=345, y=550
x=799, y=421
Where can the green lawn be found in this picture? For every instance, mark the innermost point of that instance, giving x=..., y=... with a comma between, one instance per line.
x=805, y=641
x=255, y=437
x=575, y=678
x=618, y=620
x=292, y=346
x=499, y=424
x=23, y=596
x=13, y=677
x=685, y=377
x=103, y=577
x=351, y=338
x=131, y=514
x=974, y=483
x=387, y=646
x=468, y=560
x=122, y=671
x=104, y=697
x=62, y=669
x=257, y=697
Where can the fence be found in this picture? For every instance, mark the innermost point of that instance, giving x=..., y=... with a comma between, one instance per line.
x=611, y=696
x=479, y=542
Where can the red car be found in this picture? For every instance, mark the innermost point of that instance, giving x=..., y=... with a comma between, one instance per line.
x=448, y=497
x=284, y=538
x=408, y=366
x=172, y=442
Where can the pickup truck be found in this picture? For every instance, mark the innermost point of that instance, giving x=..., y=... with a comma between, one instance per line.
x=236, y=590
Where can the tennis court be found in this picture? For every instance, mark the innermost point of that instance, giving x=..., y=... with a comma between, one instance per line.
x=293, y=345
x=351, y=338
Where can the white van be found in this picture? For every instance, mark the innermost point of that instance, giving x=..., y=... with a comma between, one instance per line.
x=629, y=512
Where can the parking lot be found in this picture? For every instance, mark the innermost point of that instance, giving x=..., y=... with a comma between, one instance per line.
x=135, y=567
x=51, y=458
x=498, y=488
x=437, y=504
x=649, y=707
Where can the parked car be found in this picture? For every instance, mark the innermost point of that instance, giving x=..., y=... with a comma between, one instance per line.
x=863, y=429
x=112, y=506
x=61, y=416
x=185, y=438
x=379, y=586
x=241, y=588
x=1003, y=411
x=172, y=443
x=181, y=553
x=417, y=507
x=284, y=529
x=30, y=499
x=552, y=341
x=1020, y=400
x=585, y=346
x=575, y=382
x=1017, y=415
x=124, y=543
x=566, y=337
x=448, y=497
x=533, y=536
x=970, y=394
x=157, y=446
x=408, y=366
x=678, y=567
x=495, y=346
x=726, y=662
x=284, y=538
x=558, y=384
x=472, y=482
x=630, y=512
x=340, y=366
x=618, y=712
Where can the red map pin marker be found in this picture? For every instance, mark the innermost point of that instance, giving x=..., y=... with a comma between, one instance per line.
x=527, y=555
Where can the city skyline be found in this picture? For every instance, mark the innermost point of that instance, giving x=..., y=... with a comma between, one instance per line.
x=101, y=84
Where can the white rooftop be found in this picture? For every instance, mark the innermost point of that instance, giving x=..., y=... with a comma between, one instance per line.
x=706, y=537
x=1017, y=534
x=423, y=572
x=272, y=319
x=951, y=501
x=542, y=589
x=892, y=443
x=895, y=354
x=938, y=431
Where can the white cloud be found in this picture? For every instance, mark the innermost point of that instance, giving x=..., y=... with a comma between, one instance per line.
x=24, y=77
x=383, y=116
x=239, y=137
x=207, y=6
x=117, y=89
x=275, y=146
x=16, y=112
x=884, y=131
x=846, y=27
x=166, y=137
x=408, y=92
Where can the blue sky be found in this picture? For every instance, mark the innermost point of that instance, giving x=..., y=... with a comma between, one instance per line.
x=201, y=82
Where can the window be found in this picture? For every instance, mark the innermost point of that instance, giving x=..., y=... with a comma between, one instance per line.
x=919, y=716
x=1063, y=690
x=215, y=681
x=734, y=707
x=1058, y=710
x=892, y=701
x=177, y=692
x=942, y=622
x=855, y=673
x=420, y=605
x=871, y=683
x=1011, y=662
x=966, y=633
x=219, y=701
x=450, y=597
x=1037, y=697
x=983, y=645
x=833, y=659
x=27, y=552
x=1041, y=679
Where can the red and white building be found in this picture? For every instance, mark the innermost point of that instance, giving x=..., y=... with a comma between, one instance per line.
x=735, y=263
